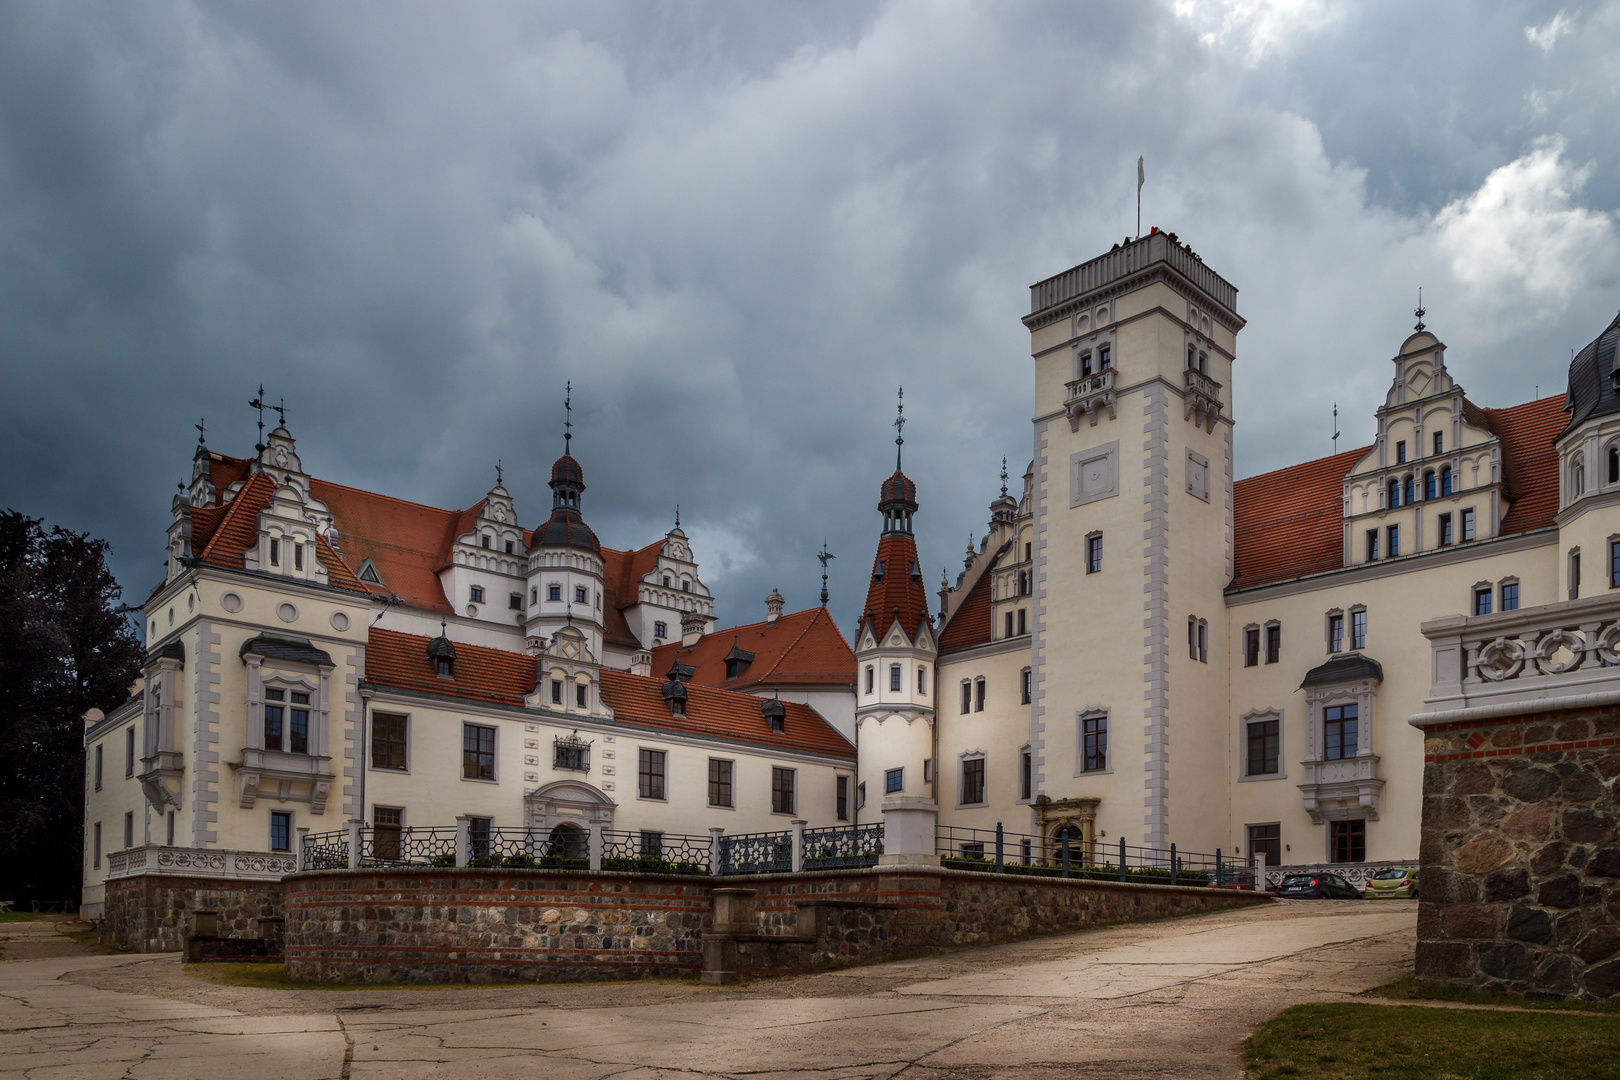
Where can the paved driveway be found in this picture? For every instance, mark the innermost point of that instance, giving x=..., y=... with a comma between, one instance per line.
x=1163, y=999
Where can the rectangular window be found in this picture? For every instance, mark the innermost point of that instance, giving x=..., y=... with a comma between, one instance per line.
x=170, y=840
x=509, y=544
x=275, y=715
x=650, y=782
x=1251, y=646
x=894, y=677
x=1026, y=680
x=1094, y=731
x=1372, y=545
x=581, y=696
x=1614, y=564
x=129, y=830
x=1439, y=442
x=129, y=750
x=1266, y=840
x=553, y=592
x=515, y=601
x=298, y=556
x=476, y=594
x=1445, y=530
x=1265, y=741
x=1358, y=629
x=280, y=830
x=275, y=552
x=973, y=780
x=841, y=798
x=387, y=741
x=579, y=594
x=720, y=782
x=1203, y=641
x=978, y=695
x=98, y=766
x=860, y=795
x=95, y=842
x=1023, y=621
x=1093, y=553
x=1339, y=732
x=385, y=832
x=894, y=781
x=782, y=801
x=1400, y=451
x=477, y=752
x=1510, y=596
x=1009, y=632
x=1335, y=633
x=1105, y=358
x=571, y=752
x=871, y=678
x=922, y=680
x=478, y=833
x=298, y=724
x=1350, y=841
x=1467, y=526
x=1392, y=537
x=1273, y=643
x=660, y=629
x=928, y=770
x=1026, y=774
x=1482, y=601
x=1192, y=637
x=1575, y=575
x=556, y=691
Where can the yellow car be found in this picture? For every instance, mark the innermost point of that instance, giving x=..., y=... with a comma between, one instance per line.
x=1393, y=884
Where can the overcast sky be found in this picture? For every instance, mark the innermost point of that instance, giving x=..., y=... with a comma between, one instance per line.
x=738, y=228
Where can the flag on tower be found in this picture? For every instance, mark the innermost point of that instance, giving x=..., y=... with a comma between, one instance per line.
x=1140, y=176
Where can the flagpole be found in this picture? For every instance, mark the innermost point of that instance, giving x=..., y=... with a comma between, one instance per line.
x=1140, y=177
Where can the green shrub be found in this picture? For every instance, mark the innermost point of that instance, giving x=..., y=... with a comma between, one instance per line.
x=520, y=861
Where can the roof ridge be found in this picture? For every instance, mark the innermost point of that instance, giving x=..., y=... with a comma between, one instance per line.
x=795, y=642
x=1303, y=464
x=396, y=498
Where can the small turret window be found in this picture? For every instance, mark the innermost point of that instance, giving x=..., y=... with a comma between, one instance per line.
x=894, y=677
x=554, y=592
x=579, y=595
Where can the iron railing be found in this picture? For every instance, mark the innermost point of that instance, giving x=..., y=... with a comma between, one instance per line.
x=998, y=851
x=407, y=846
x=843, y=847
x=756, y=853
x=326, y=851
x=653, y=852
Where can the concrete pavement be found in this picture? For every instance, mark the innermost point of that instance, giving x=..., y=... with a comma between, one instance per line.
x=1166, y=998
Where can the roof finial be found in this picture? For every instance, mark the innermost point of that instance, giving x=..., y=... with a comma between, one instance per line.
x=441, y=626
x=1419, y=312
x=568, y=418
x=258, y=403
x=899, y=428
x=1004, y=477
x=825, y=556
x=281, y=412
x=677, y=515
x=498, y=477
x=202, y=431
x=1335, y=427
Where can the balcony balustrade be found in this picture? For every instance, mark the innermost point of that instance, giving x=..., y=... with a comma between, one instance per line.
x=1203, y=399
x=1088, y=395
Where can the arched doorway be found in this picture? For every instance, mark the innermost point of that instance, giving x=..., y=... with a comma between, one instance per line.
x=1072, y=837
x=569, y=841
x=567, y=802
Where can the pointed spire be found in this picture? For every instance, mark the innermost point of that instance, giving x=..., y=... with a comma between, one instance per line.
x=677, y=515
x=1003, y=476
x=1419, y=311
x=899, y=428
x=825, y=556
x=568, y=418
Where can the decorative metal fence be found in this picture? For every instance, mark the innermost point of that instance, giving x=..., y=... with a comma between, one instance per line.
x=326, y=851
x=843, y=847
x=756, y=853
x=998, y=851
x=406, y=846
x=655, y=852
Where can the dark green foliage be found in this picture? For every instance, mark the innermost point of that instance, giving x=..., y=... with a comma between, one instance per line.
x=65, y=648
x=1139, y=875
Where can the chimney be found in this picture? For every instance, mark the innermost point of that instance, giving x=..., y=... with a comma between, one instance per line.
x=774, y=604
x=641, y=663
x=691, y=628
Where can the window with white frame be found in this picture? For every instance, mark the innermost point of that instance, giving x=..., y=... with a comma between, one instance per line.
x=972, y=793
x=894, y=677
x=477, y=752
x=894, y=781
x=280, y=830
x=783, y=790
x=388, y=741
x=967, y=697
x=286, y=719
x=1094, y=742
x=1026, y=774
x=476, y=594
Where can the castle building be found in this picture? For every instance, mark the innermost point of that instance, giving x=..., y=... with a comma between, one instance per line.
x=320, y=655
x=1141, y=647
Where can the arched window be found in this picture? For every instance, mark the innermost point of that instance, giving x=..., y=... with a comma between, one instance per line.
x=1429, y=489
x=1445, y=480
x=1394, y=494
x=1614, y=464
x=1406, y=490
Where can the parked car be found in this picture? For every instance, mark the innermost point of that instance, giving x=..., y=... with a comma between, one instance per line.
x=1319, y=886
x=1393, y=884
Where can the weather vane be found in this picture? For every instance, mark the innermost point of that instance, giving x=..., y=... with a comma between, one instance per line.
x=677, y=515
x=1418, y=311
x=1004, y=477
x=258, y=403
x=281, y=412
x=202, y=431
x=499, y=478
x=899, y=428
x=1335, y=427
x=825, y=556
x=568, y=419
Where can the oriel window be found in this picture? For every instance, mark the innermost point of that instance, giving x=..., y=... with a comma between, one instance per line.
x=1339, y=733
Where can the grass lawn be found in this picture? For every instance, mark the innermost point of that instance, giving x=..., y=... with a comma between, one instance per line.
x=1415, y=1042
x=1406, y=989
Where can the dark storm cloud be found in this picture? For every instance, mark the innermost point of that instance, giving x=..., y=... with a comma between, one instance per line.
x=737, y=228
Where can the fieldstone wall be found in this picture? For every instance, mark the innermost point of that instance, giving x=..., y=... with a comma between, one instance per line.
x=155, y=912
x=1521, y=862
x=427, y=924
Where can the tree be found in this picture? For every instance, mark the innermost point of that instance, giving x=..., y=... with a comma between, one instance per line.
x=66, y=647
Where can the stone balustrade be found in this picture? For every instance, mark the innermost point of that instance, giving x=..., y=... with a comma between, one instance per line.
x=199, y=862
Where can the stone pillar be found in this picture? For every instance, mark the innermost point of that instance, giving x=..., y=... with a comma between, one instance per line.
x=798, y=845
x=303, y=842
x=463, y=840
x=733, y=918
x=909, y=823
x=716, y=861
x=593, y=844
x=354, y=842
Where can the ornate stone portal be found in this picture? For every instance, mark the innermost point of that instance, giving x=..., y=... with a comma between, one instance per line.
x=1080, y=815
x=567, y=802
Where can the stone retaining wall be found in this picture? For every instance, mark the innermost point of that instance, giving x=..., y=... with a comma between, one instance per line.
x=1521, y=863
x=154, y=912
x=426, y=924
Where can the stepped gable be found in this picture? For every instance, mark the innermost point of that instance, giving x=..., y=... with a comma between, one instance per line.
x=804, y=648
x=969, y=624
x=622, y=572
x=1290, y=523
x=499, y=677
x=222, y=535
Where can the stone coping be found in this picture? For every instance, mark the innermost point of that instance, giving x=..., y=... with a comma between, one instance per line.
x=747, y=880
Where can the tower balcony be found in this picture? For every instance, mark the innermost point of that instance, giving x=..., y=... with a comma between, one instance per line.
x=1087, y=395
x=1203, y=399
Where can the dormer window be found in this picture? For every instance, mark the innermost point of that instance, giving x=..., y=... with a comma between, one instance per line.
x=444, y=667
x=368, y=572
x=775, y=714
x=1400, y=452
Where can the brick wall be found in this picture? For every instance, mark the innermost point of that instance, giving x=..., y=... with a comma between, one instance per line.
x=153, y=912
x=1520, y=887
x=442, y=925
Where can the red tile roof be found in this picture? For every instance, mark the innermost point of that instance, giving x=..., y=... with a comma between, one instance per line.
x=896, y=588
x=499, y=677
x=804, y=648
x=969, y=624
x=622, y=572
x=1290, y=523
